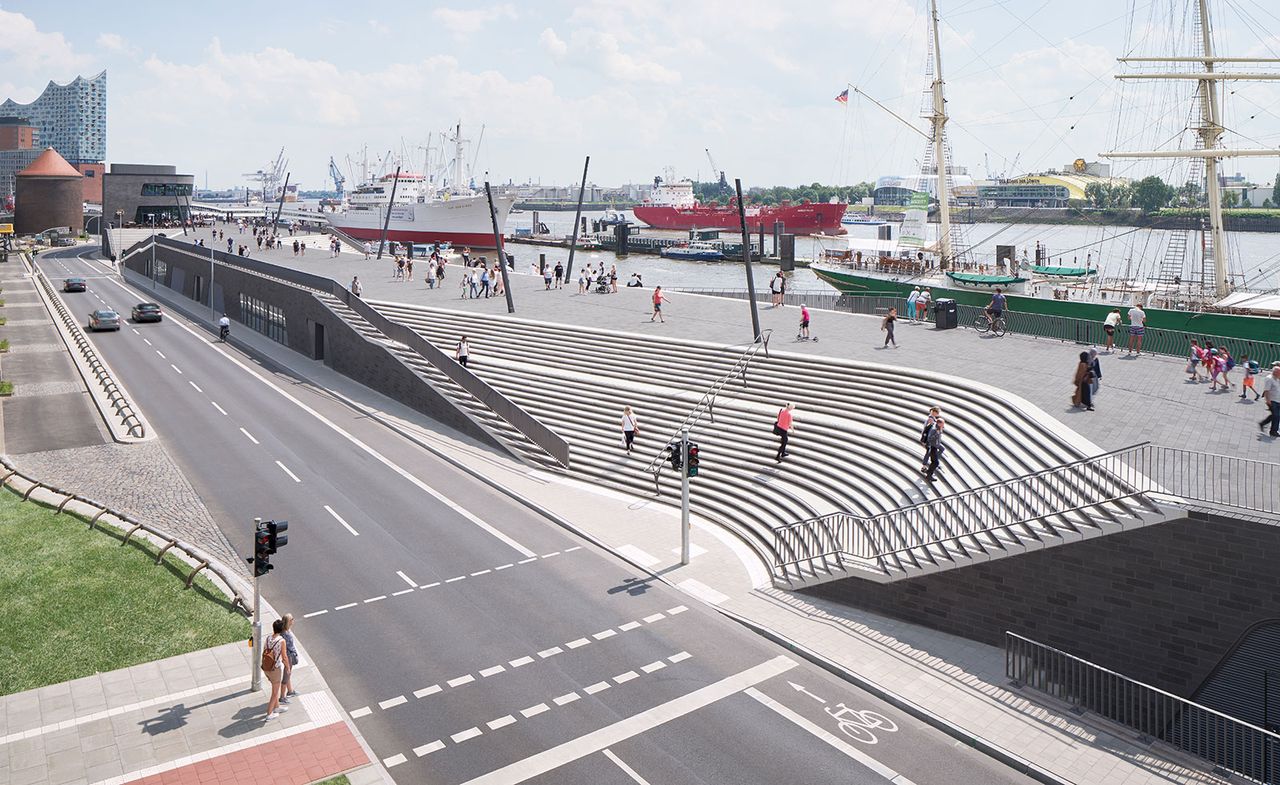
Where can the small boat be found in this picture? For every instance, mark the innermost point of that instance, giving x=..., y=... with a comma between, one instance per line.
x=695, y=251
x=1062, y=272
x=982, y=280
x=859, y=219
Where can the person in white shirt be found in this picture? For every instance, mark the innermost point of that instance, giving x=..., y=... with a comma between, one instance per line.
x=630, y=427
x=1109, y=326
x=912, y=299
x=1137, y=326
x=463, y=352
x=1271, y=394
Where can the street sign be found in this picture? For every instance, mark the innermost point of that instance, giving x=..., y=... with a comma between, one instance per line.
x=6, y=228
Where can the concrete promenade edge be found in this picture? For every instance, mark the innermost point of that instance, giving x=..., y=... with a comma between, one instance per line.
x=954, y=679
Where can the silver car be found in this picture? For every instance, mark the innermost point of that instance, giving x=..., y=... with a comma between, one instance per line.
x=104, y=319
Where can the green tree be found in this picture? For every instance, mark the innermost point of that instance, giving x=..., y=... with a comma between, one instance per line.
x=1275, y=191
x=1244, y=199
x=1151, y=193
x=1097, y=195
x=1230, y=198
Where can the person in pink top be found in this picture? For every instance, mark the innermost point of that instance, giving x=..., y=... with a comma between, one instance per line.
x=658, y=299
x=804, y=322
x=782, y=427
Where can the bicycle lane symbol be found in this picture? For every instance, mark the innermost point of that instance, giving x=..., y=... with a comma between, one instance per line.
x=861, y=726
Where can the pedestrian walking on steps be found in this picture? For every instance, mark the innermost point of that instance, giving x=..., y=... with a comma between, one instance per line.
x=887, y=327
x=934, y=448
x=935, y=414
x=273, y=659
x=356, y=288
x=1109, y=326
x=290, y=659
x=463, y=352
x=630, y=427
x=1271, y=394
x=658, y=299
x=1082, y=384
x=1137, y=326
x=782, y=428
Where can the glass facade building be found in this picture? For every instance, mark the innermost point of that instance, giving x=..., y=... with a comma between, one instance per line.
x=71, y=118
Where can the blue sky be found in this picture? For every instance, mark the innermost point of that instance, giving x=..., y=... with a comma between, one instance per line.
x=639, y=86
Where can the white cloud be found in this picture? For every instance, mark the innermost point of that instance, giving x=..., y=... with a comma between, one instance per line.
x=112, y=42
x=464, y=22
x=24, y=47
x=553, y=43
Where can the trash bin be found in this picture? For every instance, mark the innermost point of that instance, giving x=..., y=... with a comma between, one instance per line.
x=945, y=314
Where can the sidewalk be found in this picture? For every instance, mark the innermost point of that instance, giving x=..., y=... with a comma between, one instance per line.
x=954, y=678
x=178, y=721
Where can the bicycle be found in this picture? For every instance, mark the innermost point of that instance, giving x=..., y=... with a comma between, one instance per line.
x=859, y=725
x=996, y=326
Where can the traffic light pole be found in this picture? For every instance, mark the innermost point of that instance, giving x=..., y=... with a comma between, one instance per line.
x=255, y=677
x=684, y=496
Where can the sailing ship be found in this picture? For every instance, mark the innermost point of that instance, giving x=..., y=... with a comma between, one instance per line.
x=1174, y=297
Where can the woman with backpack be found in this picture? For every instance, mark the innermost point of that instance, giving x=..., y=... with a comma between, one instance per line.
x=273, y=664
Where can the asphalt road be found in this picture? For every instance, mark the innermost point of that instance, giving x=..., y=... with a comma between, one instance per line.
x=472, y=640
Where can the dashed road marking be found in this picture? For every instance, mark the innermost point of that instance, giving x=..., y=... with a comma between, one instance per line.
x=549, y=555
x=677, y=610
x=534, y=711
x=430, y=585
x=481, y=572
x=580, y=642
x=396, y=701
x=402, y=591
x=285, y=469
x=147, y=342
x=681, y=657
x=503, y=567
x=340, y=520
x=376, y=599
x=427, y=749
x=466, y=735
x=348, y=605
x=393, y=761
x=501, y=722
x=551, y=652
x=162, y=357
x=458, y=578
x=599, y=686
x=425, y=691
x=461, y=680
x=364, y=711
x=194, y=386
x=176, y=368
x=657, y=665
x=565, y=699
x=629, y=626
x=219, y=408
x=526, y=561
x=494, y=671
x=605, y=634
x=623, y=678
x=521, y=661
x=249, y=436
x=650, y=619
x=314, y=613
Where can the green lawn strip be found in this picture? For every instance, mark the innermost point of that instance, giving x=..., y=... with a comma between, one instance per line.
x=6, y=388
x=76, y=602
x=341, y=779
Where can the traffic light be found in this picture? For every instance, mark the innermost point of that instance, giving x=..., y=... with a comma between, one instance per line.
x=674, y=457
x=692, y=469
x=277, y=538
x=261, y=552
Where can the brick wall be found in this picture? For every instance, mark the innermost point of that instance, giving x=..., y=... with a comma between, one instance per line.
x=1162, y=604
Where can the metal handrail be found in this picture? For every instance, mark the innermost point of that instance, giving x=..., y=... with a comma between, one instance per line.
x=706, y=404
x=1211, y=735
x=130, y=526
x=502, y=406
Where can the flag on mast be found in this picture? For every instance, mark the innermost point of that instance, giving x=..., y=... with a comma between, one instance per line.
x=843, y=97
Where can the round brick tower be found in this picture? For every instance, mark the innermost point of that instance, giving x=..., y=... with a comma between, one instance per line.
x=49, y=194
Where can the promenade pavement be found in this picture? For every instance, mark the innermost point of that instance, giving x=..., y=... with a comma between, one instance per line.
x=951, y=677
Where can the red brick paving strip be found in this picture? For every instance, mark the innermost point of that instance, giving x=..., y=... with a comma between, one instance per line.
x=297, y=760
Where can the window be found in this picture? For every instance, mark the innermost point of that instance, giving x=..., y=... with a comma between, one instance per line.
x=264, y=318
x=166, y=189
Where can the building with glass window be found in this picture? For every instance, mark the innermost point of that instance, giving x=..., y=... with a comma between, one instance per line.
x=140, y=192
x=72, y=119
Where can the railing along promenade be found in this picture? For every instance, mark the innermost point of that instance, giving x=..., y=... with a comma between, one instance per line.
x=1066, y=498
x=1157, y=340
x=1225, y=741
x=706, y=404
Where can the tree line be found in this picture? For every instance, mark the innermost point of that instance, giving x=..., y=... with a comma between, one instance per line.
x=721, y=193
x=1152, y=193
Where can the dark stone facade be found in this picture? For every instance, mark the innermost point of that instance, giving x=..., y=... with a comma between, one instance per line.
x=185, y=270
x=48, y=202
x=1162, y=604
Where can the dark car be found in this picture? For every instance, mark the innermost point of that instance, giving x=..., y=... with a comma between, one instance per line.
x=74, y=285
x=104, y=319
x=147, y=312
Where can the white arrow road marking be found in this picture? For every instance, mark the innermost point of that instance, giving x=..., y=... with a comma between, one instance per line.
x=798, y=688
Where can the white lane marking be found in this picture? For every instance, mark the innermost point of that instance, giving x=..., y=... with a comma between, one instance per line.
x=425, y=691
x=534, y=711
x=677, y=610
x=632, y=553
x=650, y=619
x=481, y=572
x=451, y=580
x=574, y=548
x=469, y=733
x=249, y=436
x=548, y=760
x=702, y=591
x=494, y=671
x=384, y=460
x=604, y=634
x=406, y=579
x=501, y=722
x=566, y=698
x=503, y=567
x=348, y=605
x=135, y=331
x=830, y=738
x=147, y=342
x=430, y=585
x=393, y=761
x=578, y=643
x=195, y=386
x=551, y=652
x=285, y=469
x=314, y=613
x=629, y=626
x=629, y=771
x=162, y=357
x=219, y=408
x=427, y=749
x=176, y=368
x=461, y=680
x=656, y=665
x=363, y=711
x=340, y=520
x=526, y=561
x=599, y=686
x=623, y=678
x=402, y=591
x=375, y=599
x=681, y=657
x=549, y=555
x=396, y=701
x=521, y=661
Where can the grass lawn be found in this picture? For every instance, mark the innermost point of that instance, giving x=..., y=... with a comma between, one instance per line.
x=74, y=602
x=341, y=779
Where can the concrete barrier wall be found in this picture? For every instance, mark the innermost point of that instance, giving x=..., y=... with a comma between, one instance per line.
x=1162, y=604
x=345, y=350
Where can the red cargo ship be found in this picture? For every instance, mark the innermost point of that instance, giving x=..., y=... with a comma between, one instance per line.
x=673, y=206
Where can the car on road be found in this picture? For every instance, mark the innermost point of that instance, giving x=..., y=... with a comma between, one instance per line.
x=104, y=319
x=147, y=312
x=74, y=285
x=64, y=242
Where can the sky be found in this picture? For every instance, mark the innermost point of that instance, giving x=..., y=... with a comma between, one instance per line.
x=218, y=88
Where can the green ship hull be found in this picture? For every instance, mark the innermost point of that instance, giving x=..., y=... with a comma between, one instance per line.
x=1253, y=328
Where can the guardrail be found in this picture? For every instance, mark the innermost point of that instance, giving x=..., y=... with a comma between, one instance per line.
x=115, y=396
x=1229, y=743
x=1156, y=340
x=502, y=406
x=95, y=513
x=707, y=403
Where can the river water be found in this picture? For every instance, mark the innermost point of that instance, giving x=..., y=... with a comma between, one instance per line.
x=1119, y=251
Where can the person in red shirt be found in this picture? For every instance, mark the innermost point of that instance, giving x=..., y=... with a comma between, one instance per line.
x=658, y=299
x=782, y=427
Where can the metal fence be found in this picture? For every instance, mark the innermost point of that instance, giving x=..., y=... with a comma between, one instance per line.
x=1175, y=343
x=1225, y=741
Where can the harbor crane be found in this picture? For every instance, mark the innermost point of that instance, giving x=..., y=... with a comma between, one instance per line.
x=338, y=179
x=270, y=178
x=723, y=186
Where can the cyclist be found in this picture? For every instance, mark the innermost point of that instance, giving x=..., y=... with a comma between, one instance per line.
x=996, y=309
x=224, y=328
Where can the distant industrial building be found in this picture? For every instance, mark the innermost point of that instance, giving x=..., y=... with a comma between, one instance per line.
x=1047, y=189
x=48, y=196
x=141, y=192
x=897, y=189
x=72, y=119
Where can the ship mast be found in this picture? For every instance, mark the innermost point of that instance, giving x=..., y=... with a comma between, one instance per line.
x=939, y=120
x=1209, y=131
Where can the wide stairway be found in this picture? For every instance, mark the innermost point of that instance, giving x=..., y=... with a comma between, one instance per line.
x=855, y=448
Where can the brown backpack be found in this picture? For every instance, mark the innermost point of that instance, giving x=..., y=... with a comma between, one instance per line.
x=268, y=658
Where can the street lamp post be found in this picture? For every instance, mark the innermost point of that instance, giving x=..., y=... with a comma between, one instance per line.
x=152, y=218
x=119, y=236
